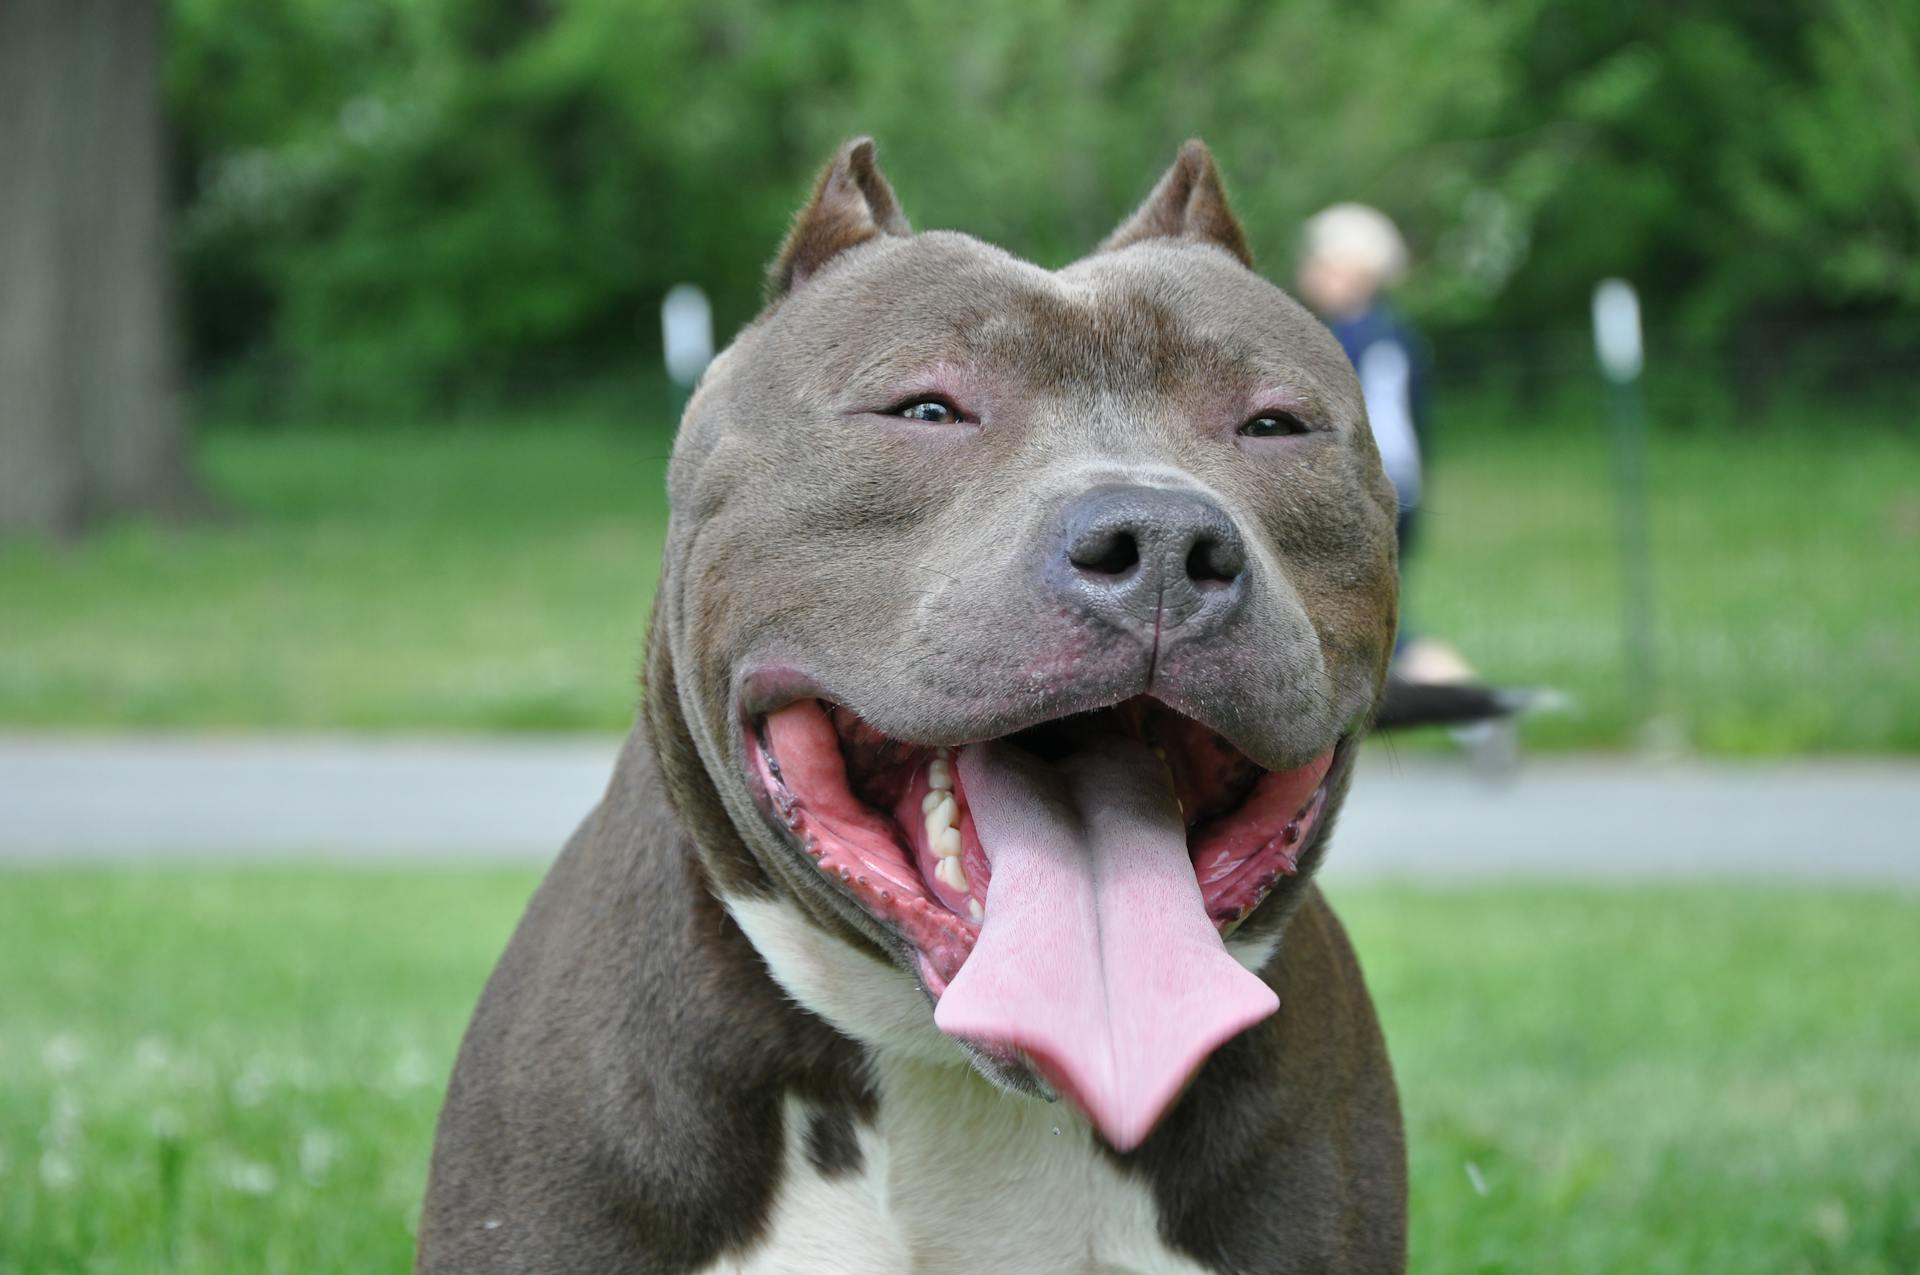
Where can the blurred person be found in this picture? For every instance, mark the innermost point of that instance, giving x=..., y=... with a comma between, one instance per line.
x=1351, y=255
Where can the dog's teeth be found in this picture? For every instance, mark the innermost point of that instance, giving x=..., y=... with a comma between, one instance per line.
x=932, y=799
x=949, y=872
x=947, y=844
x=940, y=821
x=938, y=776
x=975, y=911
x=943, y=753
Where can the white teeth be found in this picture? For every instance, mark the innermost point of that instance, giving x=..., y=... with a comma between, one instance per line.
x=975, y=911
x=950, y=873
x=942, y=811
x=947, y=811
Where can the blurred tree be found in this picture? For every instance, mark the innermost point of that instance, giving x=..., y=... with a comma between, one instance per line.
x=90, y=425
x=396, y=201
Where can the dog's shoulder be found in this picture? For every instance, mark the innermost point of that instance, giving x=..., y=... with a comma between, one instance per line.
x=608, y=1110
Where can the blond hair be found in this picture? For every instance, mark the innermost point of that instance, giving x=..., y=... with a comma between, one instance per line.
x=1357, y=236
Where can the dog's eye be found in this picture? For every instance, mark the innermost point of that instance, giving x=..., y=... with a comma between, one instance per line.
x=934, y=411
x=1274, y=425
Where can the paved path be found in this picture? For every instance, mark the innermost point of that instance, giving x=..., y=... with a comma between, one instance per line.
x=66, y=798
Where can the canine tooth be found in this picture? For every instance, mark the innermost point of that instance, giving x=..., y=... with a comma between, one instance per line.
x=938, y=776
x=952, y=874
x=975, y=911
x=947, y=844
x=928, y=802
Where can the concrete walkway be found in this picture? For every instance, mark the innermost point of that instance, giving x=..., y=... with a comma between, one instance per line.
x=118, y=798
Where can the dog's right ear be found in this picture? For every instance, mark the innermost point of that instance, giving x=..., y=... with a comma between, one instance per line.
x=851, y=204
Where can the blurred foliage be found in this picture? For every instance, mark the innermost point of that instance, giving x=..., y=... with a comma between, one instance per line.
x=390, y=202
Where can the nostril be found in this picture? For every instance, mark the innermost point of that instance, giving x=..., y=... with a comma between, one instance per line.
x=1115, y=553
x=1210, y=562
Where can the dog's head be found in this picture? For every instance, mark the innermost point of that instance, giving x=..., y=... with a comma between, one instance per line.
x=1021, y=623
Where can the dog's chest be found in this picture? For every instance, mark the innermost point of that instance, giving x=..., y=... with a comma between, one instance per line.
x=955, y=1176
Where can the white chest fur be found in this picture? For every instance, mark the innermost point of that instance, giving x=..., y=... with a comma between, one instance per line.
x=956, y=1175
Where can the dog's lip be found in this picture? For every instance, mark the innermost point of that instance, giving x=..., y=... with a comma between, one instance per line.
x=763, y=689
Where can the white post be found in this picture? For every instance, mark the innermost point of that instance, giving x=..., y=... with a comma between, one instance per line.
x=1617, y=342
x=686, y=329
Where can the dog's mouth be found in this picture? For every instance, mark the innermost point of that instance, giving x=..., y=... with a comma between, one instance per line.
x=1066, y=887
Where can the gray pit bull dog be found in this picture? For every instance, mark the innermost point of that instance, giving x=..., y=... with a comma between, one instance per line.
x=950, y=908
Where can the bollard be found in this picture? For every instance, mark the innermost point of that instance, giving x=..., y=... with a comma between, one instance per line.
x=1617, y=342
x=686, y=337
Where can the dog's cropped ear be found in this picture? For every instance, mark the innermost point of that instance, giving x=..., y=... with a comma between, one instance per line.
x=1189, y=203
x=851, y=204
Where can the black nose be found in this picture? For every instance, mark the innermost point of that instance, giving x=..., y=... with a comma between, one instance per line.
x=1153, y=559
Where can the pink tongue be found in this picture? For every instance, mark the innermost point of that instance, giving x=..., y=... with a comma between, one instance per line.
x=1097, y=958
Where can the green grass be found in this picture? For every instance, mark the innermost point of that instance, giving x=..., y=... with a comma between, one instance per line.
x=209, y=1071
x=1786, y=574
x=500, y=578
x=496, y=578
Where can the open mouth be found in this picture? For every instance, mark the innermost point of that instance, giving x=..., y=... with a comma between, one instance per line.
x=891, y=820
x=1066, y=888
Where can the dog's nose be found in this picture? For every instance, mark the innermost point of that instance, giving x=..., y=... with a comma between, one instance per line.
x=1153, y=559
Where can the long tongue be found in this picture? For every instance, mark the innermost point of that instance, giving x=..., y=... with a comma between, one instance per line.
x=1097, y=958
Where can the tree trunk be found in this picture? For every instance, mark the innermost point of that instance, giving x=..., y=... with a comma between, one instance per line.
x=90, y=413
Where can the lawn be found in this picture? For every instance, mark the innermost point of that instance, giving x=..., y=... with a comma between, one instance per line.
x=492, y=578
x=500, y=578
x=221, y=1070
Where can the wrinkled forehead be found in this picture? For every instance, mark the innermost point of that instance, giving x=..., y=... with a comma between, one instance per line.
x=1157, y=318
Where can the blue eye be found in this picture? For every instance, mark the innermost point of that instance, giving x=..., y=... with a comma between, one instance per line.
x=1274, y=425
x=934, y=411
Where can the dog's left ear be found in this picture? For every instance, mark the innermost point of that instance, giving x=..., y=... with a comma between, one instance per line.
x=851, y=204
x=1189, y=203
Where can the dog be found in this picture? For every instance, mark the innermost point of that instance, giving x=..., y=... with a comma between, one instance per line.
x=951, y=906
